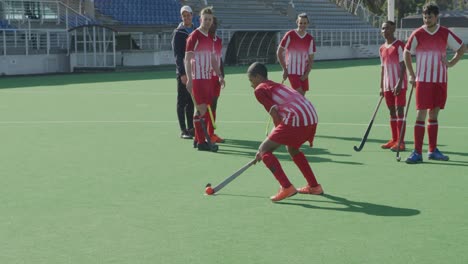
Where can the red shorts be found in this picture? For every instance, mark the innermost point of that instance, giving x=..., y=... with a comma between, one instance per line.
x=296, y=82
x=202, y=91
x=430, y=95
x=293, y=136
x=216, y=86
x=392, y=100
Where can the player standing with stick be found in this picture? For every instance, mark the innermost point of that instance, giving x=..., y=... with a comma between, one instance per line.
x=296, y=55
x=199, y=61
x=295, y=122
x=429, y=43
x=218, y=47
x=393, y=83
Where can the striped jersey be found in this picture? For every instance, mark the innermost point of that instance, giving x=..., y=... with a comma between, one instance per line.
x=390, y=57
x=430, y=49
x=295, y=110
x=218, y=47
x=298, y=48
x=202, y=47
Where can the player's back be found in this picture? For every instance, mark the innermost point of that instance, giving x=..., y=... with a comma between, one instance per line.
x=293, y=107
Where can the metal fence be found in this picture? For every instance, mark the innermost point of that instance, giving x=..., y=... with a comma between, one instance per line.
x=25, y=42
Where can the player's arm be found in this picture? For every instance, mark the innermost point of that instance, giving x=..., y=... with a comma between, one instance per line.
x=409, y=66
x=400, y=78
x=309, y=67
x=381, y=80
x=216, y=68
x=188, y=69
x=410, y=48
x=282, y=61
x=458, y=55
x=275, y=116
x=179, y=52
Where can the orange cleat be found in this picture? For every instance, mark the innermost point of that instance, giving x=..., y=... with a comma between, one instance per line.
x=395, y=147
x=389, y=144
x=284, y=193
x=215, y=138
x=317, y=190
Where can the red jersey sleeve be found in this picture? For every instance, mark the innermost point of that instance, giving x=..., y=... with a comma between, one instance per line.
x=264, y=98
x=191, y=42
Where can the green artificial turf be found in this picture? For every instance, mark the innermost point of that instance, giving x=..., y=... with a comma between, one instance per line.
x=93, y=171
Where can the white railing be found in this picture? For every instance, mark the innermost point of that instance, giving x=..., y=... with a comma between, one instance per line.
x=323, y=37
x=26, y=14
x=357, y=8
x=22, y=41
x=26, y=42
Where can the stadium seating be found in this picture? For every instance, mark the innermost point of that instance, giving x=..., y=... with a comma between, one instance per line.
x=141, y=12
x=5, y=25
x=324, y=14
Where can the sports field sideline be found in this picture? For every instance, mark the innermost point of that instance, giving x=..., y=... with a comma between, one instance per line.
x=93, y=171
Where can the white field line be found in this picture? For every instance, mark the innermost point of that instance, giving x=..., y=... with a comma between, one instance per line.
x=175, y=94
x=173, y=122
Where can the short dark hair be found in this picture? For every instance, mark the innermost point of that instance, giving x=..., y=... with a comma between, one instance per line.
x=257, y=68
x=430, y=8
x=391, y=23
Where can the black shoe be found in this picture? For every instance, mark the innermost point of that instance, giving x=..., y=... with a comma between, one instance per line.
x=185, y=135
x=191, y=131
x=207, y=147
x=204, y=147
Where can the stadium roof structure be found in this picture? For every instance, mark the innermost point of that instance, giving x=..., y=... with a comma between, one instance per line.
x=447, y=18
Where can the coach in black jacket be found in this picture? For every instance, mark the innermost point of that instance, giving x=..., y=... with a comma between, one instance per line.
x=185, y=108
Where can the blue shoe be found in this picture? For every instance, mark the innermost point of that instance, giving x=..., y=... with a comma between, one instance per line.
x=437, y=155
x=414, y=158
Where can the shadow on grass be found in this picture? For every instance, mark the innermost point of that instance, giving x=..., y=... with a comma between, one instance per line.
x=248, y=148
x=357, y=140
x=353, y=206
x=341, y=204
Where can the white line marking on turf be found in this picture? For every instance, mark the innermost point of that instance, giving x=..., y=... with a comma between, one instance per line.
x=171, y=122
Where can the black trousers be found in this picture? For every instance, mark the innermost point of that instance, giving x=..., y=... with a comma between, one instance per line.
x=185, y=107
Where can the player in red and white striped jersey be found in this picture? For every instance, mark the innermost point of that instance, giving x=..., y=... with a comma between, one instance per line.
x=296, y=55
x=429, y=44
x=393, y=82
x=295, y=122
x=218, y=47
x=199, y=62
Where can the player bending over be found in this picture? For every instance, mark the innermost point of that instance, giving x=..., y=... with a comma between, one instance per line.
x=295, y=122
x=393, y=83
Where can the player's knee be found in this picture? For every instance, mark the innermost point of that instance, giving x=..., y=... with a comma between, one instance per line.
x=293, y=151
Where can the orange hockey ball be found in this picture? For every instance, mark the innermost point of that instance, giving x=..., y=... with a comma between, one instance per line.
x=209, y=190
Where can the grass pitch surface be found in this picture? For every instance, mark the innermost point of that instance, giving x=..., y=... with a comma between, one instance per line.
x=92, y=171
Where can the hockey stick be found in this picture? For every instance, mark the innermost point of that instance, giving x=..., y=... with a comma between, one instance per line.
x=364, y=139
x=403, y=124
x=217, y=188
x=211, y=117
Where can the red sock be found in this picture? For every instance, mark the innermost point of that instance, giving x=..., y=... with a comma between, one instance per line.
x=400, y=123
x=199, y=134
x=273, y=164
x=419, y=129
x=394, y=127
x=432, y=129
x=305, y=168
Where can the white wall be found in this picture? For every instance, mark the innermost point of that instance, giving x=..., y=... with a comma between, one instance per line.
x=34, y=64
